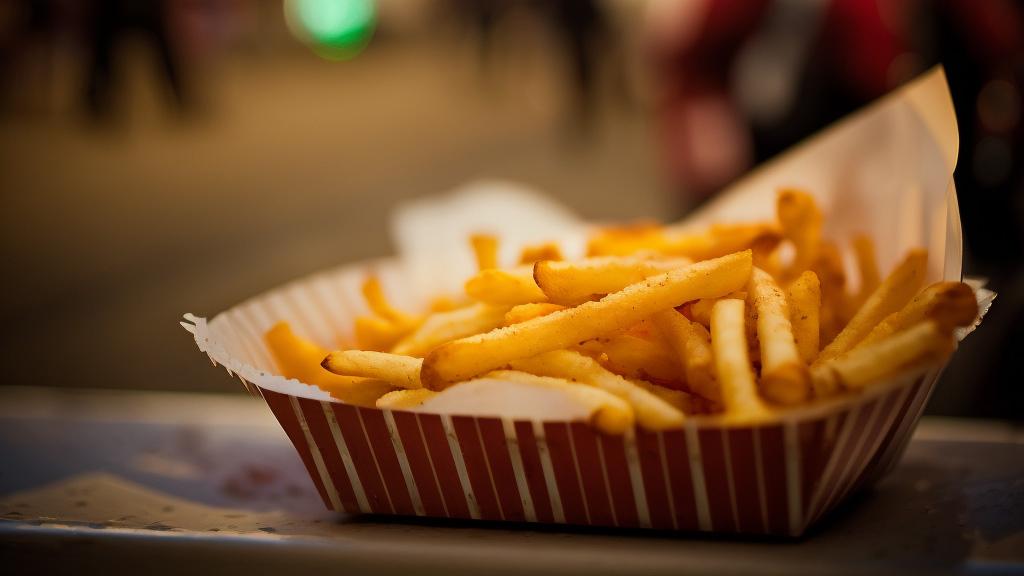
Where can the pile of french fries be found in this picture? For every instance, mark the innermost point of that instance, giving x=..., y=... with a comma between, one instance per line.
x=655, y=326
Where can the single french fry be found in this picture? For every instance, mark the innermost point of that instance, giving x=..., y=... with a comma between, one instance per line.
x=443, y=304
x=571, y=283
x=524, y=312
x=784, y=378
x=832, y=281
x=485, y=248
x=636, y=357
x=925, y=343
x=546, y=251
x=504, y=287
x=891, y=295
x=681, y=400
x=402, y=371
x=468, y=357
x=404, y=399
x=949, y=304
x=626, y=240
x=692, y=346
x=299, y=358
x=716, y=241
x=867, y=265
x=608, y=413
x=379, y=304
x=804, y=299
x=375, y=333
x=801, y=222
x=700, y=311
x=442, y=327
x=651, y=412
x=732, y=364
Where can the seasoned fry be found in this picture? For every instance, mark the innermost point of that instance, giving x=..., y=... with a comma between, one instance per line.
x=732, y=365
x=379, y=305
x=299, y=358
x=652, y=412
x=485, y=248
x=504, y=287
x=441, y=327
x=700, y=311
x=524, y=312
x=571, y=283
x=716, y=241
x=892, y=294
x=402, y=371
x=681, y=400
x=635, y=357
x=948, y=304
x=547, y=251
x=784, y=378
x=867, y=265
x=404, y=399
x=692, y=346
x=609, y=413
x=801, y=222
x=804, y=299
x=468, y=357
x=832, y=281
x=374, y=333
x=924, y=342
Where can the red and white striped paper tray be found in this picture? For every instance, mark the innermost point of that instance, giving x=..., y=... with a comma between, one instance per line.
x=775, y=478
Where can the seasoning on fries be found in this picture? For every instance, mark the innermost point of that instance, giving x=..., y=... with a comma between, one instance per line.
x=740, y=322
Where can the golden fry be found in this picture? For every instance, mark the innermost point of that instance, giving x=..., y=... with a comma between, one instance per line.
x=700, y=311
x=468, y=357
x=784, y=376
x=374, y=333
x=504, y=287
x=547, y=251
x=922, y=343
x=732, y=364
x=485, y=248
x=524, y=312
x=949, y=304
x=635, y=357
x=404, y=399
x=692, y=346
x=379, y=305
x=571, y=283
x=402, y=371
x=892, y=294
x=801, y=222
x=832, y=282
x=651, y=412
x=442, y=327
x=299, y=358
x=609, y=413
x=804, y=299
x=867, y=265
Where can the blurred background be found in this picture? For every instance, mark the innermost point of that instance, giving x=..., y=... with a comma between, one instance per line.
x=163, y=157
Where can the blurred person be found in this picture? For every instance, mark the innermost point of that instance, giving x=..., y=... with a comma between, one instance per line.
x=741, y=81
x=108, y=23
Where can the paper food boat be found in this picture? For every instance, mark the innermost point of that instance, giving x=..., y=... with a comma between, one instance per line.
x=886, y=171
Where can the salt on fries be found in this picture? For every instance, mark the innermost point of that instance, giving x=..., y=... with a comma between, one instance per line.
x=654, y=326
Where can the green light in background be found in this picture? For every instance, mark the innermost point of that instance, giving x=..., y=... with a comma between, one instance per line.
x=334, y=29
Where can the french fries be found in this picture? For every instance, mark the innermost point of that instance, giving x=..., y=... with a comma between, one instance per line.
x=504, y=287
x=609, y=413
x=299, y=358
x=651, y=411
x=441, y=327
x=402, y=371
x=784, y=376
x=571, y=283
x=732, y=365
x=653, y=327
x=923, y=342
x=405, y=399
x=467, y=357
x=804, y=299
x=897, y=289
x=691, y=343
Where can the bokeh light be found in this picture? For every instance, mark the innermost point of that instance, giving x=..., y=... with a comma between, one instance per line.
x=333, y=29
